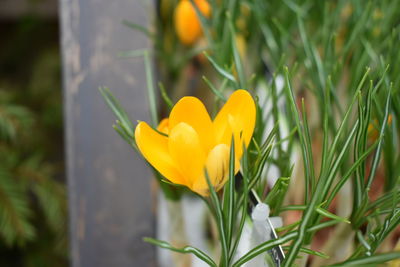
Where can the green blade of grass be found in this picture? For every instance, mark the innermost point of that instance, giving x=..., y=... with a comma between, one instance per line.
x=375, y=259
x=150, y=90
x=220, y=220
x=187, y=249
x=219, y=69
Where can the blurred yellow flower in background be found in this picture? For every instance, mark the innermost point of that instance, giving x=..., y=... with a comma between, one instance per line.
x=193, y=142
x=373, y=131
x=187, y=24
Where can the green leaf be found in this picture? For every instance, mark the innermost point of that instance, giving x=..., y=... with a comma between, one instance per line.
x=308, y=148
x=220, y=220
x=229, y=195
x=311, y=252
x=116, y=107
x=327, y=214
x=216, y=92
x=236, y=55
x=165, y=96
x=307, y=164
x=220, y=70
x=287, y=227
x=350, y=171
x=187, y=249
x=245, y=194
x=277, y=194
x=138, y=27
x=151, y=90
x=379, y=148
x=375, y=259
x=132, y=53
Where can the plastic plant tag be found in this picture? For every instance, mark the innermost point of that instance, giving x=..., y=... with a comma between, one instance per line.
x=263, y=230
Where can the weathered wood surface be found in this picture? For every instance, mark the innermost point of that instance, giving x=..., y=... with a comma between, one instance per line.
x=14, y=9
x=109, y=185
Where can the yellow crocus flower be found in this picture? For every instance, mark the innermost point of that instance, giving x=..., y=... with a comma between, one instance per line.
x=187, y=24
x=193, y=142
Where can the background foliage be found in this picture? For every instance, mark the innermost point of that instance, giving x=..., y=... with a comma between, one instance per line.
x=32, y=193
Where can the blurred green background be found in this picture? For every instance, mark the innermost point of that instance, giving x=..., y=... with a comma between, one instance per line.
x=33, y=224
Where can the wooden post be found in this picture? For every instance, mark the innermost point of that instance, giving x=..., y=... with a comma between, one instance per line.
x=108, y=183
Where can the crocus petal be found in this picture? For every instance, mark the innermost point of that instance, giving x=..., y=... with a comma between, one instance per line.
x=186, y=150
x=217, y=166
x=191, y=110
x=163, y=126
x=237, y=117
x=154, y=148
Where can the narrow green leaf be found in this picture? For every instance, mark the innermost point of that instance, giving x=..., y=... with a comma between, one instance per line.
x=277, y=194
x=303, y=141
x=165, y=96
x=187, y=249
x=287, y=227
x=126, y=137
x=229, y=194
x=150, y=90
x=132, y=53
x=348, y=174
x=379, y=148
x=337, y=162
x=311, y=252
x=216, y=92
x=293, y=207
x=375, y=259
x=138, y=27
x=220, y=70
x=236, y=55
x=308, y=148
x=220, y=220
x=327, y=214
x=342, y=126
x=362, y=241
x=245, y=167
x=119, y=112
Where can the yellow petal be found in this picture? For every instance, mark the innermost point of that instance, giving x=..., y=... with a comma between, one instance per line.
x=186, y=151
x=163, y=127
x=237, y=117
x=217, y=165
x=191, y=110
x=154, y=148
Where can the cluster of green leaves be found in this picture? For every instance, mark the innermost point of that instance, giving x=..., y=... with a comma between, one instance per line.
x=32, y=193
x=344, y=64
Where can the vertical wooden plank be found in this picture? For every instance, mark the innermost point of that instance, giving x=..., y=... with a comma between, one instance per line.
x=109, y=186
